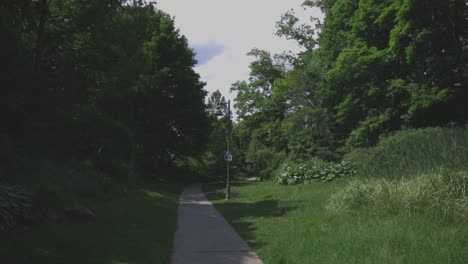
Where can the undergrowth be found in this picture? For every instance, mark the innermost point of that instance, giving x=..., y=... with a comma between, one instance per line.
x=40, y=188
x=138, y=228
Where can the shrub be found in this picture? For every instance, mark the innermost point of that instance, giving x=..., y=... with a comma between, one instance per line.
x=272, y=164
x=263, y=161
x=312, y=171
x=444, y=193
x=15, y=205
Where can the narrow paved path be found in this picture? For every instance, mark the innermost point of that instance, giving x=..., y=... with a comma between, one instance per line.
x=204, y=237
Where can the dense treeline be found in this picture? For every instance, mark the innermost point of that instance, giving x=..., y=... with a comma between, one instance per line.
x=109, y=84
x=370, y=68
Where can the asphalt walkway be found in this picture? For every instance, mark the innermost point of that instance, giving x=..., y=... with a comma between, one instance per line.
x=204, y=237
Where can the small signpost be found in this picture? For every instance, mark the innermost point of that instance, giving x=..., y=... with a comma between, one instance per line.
x=227, y=157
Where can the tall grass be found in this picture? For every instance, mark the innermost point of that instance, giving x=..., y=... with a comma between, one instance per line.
x=443, y=194
x=409, y=153
x=419, y=170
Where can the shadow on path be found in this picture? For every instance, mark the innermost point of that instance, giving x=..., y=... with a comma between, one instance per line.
x=238, y=213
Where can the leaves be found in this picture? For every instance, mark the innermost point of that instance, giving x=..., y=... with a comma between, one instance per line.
x=370, y=68
x=313, y=171
x=115, y=83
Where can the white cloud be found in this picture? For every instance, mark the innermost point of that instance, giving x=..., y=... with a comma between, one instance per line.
x=237, y=25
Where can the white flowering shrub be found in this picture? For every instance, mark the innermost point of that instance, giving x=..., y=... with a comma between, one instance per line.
x=313, y=171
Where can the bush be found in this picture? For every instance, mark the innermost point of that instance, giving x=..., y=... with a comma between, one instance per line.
x=412, y=152
x=263, y=161
x=15, y=206
x=312, y=171
x=444, y=193
x=273, y=162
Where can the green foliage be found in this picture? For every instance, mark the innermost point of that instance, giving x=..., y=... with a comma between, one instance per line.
x=308, y=134
x=313, y=171
x=304, y=34
x=369, y=68
x=216, y=102
x=262, y=160
x=410, y=152
x=444, y=194
x=62, y=178
x=210, y=163
x=110, y=83
x=258, y=138
x=57, y=185
x=208, y=166
x=15, y=206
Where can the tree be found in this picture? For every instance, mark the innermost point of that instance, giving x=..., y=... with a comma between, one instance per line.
x=110, y=82
x=369, y=68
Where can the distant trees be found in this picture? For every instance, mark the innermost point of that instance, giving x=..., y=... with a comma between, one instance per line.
x=111, y=82
x=369, y=68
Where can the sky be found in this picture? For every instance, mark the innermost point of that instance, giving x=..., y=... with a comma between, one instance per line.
x=222, y=32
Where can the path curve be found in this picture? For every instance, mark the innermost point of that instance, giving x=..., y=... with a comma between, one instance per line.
x=203, y=236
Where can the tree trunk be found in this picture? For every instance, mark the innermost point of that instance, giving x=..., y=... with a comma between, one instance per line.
x=40, y=40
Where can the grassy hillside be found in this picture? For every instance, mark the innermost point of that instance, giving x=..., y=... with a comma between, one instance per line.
x=413, y=171
x=409, y=153
x=137, y=228
x=291, y=225
x=407, y=203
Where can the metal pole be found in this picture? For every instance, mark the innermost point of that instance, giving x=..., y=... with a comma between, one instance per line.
x=228, y=184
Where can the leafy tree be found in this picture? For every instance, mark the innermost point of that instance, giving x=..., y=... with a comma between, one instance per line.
x=369, y=68
x=109, y=82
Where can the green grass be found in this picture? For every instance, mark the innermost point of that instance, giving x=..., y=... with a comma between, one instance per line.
x=136, y=229
x=412, y=152
x=289, y=224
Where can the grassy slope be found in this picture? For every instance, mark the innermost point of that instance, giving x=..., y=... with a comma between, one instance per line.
x=288, y=224
x=412, y=152
x=137, y=229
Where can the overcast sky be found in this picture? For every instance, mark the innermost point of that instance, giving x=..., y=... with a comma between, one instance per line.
x=222, y=31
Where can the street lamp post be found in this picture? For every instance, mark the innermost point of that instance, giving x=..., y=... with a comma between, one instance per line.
x=228, y=155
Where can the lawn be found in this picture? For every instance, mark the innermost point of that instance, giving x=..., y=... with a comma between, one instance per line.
x=136, y=229
x=289, y=224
